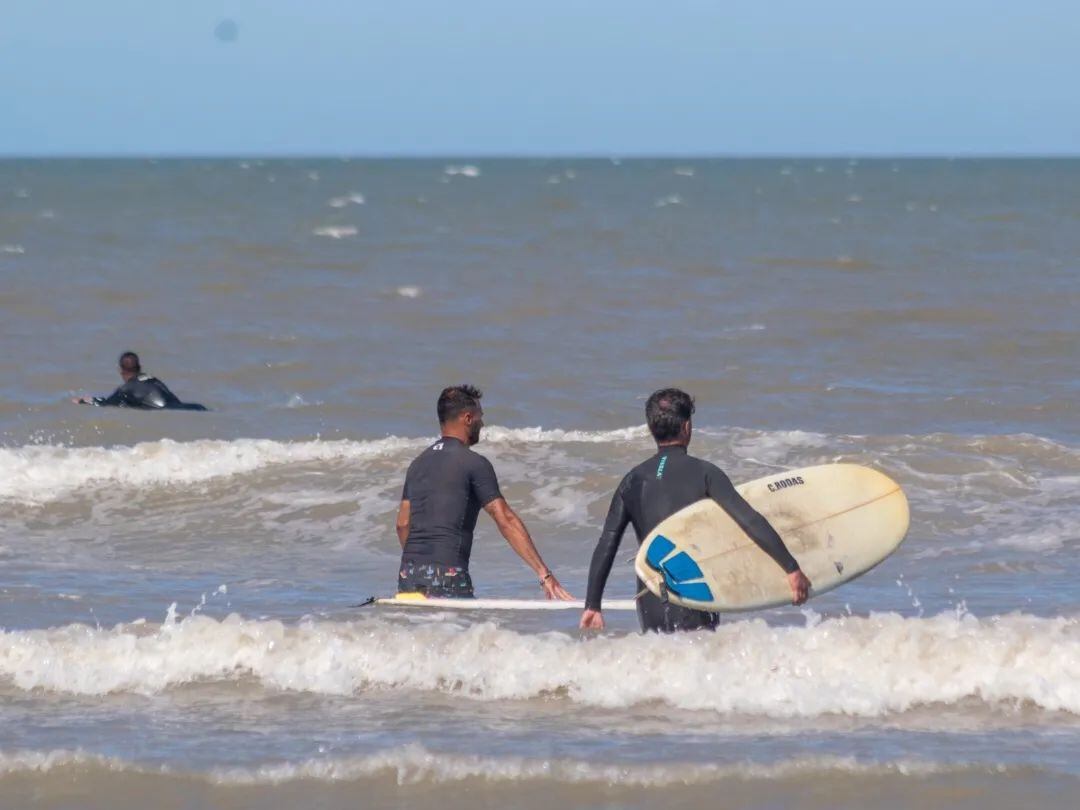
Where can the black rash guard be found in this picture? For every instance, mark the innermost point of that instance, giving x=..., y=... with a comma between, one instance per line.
x=653, y=491
x=446, y=486
x=148, y=393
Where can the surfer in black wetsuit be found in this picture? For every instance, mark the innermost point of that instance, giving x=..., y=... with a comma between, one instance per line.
x=658, y=488
x=445, y=488
x=140, y=391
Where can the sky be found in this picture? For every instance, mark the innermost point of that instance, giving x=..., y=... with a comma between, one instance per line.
x=559, y=77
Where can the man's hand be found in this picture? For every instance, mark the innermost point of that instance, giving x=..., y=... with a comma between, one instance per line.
x=591, y=620
x=80, y=400
x=800, y=587
x=552, y=588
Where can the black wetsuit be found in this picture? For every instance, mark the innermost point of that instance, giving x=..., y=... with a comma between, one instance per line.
x=653, y=491
x=446, y=486
x=148, y=393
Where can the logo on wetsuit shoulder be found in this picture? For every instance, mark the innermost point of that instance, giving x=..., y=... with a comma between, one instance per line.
x=794, y=481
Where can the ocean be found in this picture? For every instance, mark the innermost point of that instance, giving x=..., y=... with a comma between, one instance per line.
x=177, y=590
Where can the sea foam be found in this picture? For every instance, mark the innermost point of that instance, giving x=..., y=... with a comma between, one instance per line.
x=416, y=764
x=861, y=666
x=36, y=474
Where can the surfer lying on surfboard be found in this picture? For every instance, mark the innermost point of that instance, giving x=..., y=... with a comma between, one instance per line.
x=658, y=488
x=139, y=391
x=445, y=488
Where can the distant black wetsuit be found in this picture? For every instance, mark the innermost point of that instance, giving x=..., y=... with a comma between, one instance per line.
x=653, y=491
x=148, y=393
x=446, y=486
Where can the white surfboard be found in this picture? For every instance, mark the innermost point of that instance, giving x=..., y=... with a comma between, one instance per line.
x=838, y=520
x=415, y=600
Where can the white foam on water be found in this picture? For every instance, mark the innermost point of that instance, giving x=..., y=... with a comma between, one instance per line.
x=36, y=474
x=1003, y=482
x=409, y=291
x=335, y=231
x=557, y=435
x=14, y=250
x=861, y=666
x=415, y=765
x=462, y=171
x=352, y=198
x=298, y=401
x=670, y=199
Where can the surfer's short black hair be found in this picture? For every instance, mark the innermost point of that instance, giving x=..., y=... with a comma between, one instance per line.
x=456, y=400
x=129, y=361
x=666, y=411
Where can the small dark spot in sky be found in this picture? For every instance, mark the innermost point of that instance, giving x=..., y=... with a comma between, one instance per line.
x=226, y=31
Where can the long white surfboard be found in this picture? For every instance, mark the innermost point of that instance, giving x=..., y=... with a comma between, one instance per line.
x=838, y=520
x=416, y=600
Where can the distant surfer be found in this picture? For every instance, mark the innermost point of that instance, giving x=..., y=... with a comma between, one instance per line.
x=658, y=488
x=445, y=488
x=139, y=391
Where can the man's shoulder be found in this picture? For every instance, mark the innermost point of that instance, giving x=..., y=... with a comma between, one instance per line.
x=441, y=448
x=476, y=459
x=644, y=468
x=703, y=463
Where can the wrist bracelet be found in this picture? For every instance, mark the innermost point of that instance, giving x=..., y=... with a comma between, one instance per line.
x=545, y=578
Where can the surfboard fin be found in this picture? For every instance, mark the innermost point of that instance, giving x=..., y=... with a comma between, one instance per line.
x=682, y=576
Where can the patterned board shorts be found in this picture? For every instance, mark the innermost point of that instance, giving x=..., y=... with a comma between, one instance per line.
x=435, y=579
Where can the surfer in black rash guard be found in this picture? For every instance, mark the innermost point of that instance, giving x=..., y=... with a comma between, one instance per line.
x=660, y=487
x=445, y=488
x=139, y=391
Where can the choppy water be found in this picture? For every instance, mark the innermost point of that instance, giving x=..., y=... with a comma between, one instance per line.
x=175, y=588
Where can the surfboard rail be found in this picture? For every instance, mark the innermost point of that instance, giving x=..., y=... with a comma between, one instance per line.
x=417, y=600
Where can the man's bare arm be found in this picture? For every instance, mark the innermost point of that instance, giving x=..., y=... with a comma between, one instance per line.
x=402, y=525
x=513, y=529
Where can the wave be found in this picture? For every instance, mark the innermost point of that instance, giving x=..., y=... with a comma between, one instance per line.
x=414, y=764
x=353, y=198
x=335, y=231
x=999, y=477
x=463, y=171
x=38, y=474
x=859, y=666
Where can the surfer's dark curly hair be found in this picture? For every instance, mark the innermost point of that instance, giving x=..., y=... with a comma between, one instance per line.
x=456, y=400
x=129, y=361
x=667, y=411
